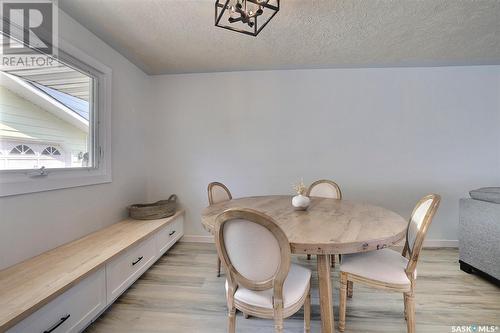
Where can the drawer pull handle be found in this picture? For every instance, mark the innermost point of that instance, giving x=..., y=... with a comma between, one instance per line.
x=138, y=259
x=173, y=232
x=61, y=321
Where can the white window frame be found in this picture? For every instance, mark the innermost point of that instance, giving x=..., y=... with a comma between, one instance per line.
x=16, y=182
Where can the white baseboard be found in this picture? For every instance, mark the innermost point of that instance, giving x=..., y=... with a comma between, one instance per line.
x=441, y=243
x=197, y=239
x=428, y=243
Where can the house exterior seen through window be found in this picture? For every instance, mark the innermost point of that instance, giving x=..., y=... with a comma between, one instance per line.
x=46, y=118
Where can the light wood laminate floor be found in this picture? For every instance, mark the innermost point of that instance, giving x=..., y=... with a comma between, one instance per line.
x=181, y=294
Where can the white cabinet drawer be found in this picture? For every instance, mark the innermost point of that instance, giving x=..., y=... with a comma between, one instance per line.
x=167, y=236
x=123, y=270
x=73, y=310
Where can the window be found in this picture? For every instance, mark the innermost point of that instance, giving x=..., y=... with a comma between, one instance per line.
x=51, y=151
x=55, y=122
x=22, y=149
x=50, y=103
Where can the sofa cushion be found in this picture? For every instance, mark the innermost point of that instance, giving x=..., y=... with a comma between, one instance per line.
x=490, y=194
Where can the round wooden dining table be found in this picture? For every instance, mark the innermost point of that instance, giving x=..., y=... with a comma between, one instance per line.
x=327, y=227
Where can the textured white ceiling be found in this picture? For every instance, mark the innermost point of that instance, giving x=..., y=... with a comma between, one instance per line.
x=178, y=36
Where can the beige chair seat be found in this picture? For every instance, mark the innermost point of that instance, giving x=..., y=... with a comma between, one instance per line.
x=260, y=281
x=384, y=265
x=295, y=287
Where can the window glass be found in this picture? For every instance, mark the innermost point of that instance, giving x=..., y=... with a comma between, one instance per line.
x=46, y=118
x=51, y=151
x=22, y=150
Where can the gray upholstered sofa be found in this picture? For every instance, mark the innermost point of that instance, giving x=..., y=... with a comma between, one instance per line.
x=479, y=233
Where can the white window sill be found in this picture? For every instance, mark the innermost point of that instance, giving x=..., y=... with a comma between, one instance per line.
x=27, y=182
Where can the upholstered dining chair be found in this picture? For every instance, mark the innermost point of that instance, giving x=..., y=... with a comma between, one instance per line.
x=218, y=192
x=324, y=188
x=260, y=280
x=388, y=269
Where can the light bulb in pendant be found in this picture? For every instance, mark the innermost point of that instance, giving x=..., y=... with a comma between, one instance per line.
x=232, y=11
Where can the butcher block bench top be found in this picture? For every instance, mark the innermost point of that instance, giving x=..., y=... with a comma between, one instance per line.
x=27, y=286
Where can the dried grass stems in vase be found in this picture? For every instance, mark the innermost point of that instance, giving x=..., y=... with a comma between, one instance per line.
x=300, y=201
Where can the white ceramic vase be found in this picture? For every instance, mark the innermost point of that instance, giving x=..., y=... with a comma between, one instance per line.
x=300, y=202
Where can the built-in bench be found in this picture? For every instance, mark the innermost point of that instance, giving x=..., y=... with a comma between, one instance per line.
x=65, y=289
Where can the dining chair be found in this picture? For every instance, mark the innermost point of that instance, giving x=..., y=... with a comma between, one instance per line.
x=388, y=269
x=324, y=188
x=218, y=192
x=260, y=280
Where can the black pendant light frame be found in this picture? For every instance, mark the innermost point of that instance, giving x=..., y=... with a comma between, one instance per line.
x=222, y=5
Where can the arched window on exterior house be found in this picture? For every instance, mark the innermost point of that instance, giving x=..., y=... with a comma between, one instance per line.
x=51, y=151
x=22, y=150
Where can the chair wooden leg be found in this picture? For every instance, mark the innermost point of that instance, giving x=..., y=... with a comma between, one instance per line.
x=278, y=320
x=343, y=300
x=410, y=312
x=333, y=260
x=349, y=288
x=308, y=257
x=218, y=267
x=307, y=312
x=405, y=302
x=231, y=327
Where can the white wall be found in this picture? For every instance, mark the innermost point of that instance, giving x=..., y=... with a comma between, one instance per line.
x=33, y=223
x=387, y=136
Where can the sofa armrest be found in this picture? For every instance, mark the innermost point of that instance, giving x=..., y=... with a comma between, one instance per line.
x=479, y=235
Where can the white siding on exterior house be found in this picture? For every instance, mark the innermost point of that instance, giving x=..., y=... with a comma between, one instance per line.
x=59, y=77
x=22, y=122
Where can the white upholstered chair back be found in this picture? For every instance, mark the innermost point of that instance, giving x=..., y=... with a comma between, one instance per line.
x=416, y=222
x=253, y=248
x=418, y=225
x=218, y=192
x=324, y=188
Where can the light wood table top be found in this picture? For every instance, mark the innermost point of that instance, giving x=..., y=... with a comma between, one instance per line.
x=329, y=226
x=27, y=286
